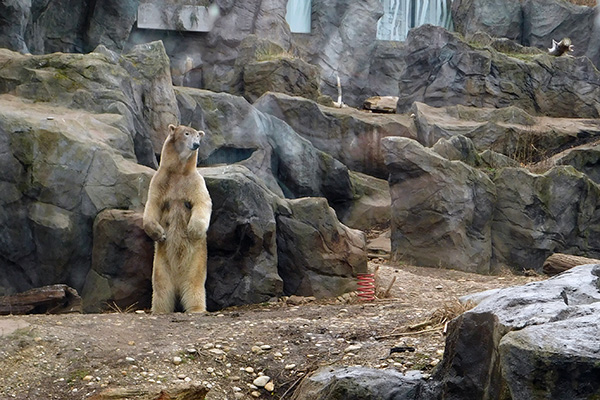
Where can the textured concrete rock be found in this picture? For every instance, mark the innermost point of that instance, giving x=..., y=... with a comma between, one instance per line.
x=537, y=215
x=349, y=135
x=461, y=73
x=121, y=272
x=111, y=23
x=499, y=18
x=279, y=73
x=242, y=248
x=318, y=256
x=529, y=342
x=342, y=42
x=441, y=210
x=135, y=86
x=360, y=383
x=61, y=167
x=509, y=131
x=239, y=133
x=13, y=21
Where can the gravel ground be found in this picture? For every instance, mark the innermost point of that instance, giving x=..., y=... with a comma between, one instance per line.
x=139, y=355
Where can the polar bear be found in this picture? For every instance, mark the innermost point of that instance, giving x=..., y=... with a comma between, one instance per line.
x=176, y=217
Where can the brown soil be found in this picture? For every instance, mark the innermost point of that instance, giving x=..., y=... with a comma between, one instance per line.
x=93, y=356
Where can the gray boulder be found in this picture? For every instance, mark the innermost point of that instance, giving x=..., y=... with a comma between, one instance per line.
x=111, y=23
x=584, y=158
x=509, y=131
x=495, y=350
x=238, y=133
x=370, y=207
x=121, y=272
x=441, y=210
x=318, y=256
x=242, y=248
x=346, y=383
x=280, y=73
x=537, y=215
x=349, y=135
x=498, y=18
x=13, y=21
x=61, y=167
x=461, y=73
x=136, y=86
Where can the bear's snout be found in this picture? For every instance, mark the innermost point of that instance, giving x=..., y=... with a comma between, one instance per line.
x=195, y=145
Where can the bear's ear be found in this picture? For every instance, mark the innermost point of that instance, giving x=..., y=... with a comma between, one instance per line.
x=172, y=128
x=201, y=133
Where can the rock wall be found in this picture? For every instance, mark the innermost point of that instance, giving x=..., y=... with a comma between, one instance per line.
x=74, y=185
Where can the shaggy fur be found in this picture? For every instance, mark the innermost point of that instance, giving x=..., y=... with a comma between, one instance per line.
x=176, y=217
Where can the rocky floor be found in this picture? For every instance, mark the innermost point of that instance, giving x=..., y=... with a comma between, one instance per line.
x=139, y=355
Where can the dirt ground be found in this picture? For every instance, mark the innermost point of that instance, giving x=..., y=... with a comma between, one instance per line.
x=139, y=355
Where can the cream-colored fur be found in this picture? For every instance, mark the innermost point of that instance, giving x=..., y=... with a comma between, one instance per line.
x=176, y=217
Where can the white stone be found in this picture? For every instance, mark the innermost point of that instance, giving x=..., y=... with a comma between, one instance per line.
x=261, y=381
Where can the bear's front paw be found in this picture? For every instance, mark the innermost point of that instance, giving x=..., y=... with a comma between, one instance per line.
x=155, y=231
x=196, y=229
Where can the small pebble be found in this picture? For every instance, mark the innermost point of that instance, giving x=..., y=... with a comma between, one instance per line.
x=89, y=378
x=130, y=359
x=261, y=381
x=290, y=366
x=255, y=394
x=249, y=370
x=352, y=348
x=270, y=386
x=176, y=360
x=265, y=347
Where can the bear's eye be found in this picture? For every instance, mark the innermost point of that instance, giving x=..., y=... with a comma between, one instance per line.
x=187, y=134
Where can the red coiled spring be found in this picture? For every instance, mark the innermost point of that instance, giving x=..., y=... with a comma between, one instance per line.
x=366, y=286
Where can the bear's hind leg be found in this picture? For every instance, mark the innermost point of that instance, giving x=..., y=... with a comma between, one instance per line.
x=163, y=288
x=193, y=293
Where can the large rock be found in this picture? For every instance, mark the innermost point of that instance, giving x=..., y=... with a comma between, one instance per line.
x=466, y=74
x=349, y=135
x=318, y=256
x=111, y=23
x=212, y=57
x=509, y=131
x=499, y=18
x=239, y=133
x=61, y=167
x=242, y=248
x=535, y=341
x=441, y=210
x=13, y=21
x=342, y=42
x=360, y=383
x=280, y=73
x=135, y=86
x=537, y=215
x=121, y=272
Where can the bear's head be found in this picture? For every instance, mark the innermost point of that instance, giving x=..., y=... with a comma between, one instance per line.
x=184, y=140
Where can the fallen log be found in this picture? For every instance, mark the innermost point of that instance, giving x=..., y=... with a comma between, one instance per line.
x=53, y=299
x=558, y=262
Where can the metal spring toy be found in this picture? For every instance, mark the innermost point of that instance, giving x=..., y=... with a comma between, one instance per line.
x=366, y=286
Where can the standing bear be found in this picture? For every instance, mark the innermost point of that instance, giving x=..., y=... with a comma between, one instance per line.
x=176, y=217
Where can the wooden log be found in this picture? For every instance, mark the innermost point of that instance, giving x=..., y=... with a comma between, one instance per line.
x=53, y=299
x=558, y=262
x=382, y=104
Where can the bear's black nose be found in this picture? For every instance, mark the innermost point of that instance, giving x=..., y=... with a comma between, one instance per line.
x=195, y=146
